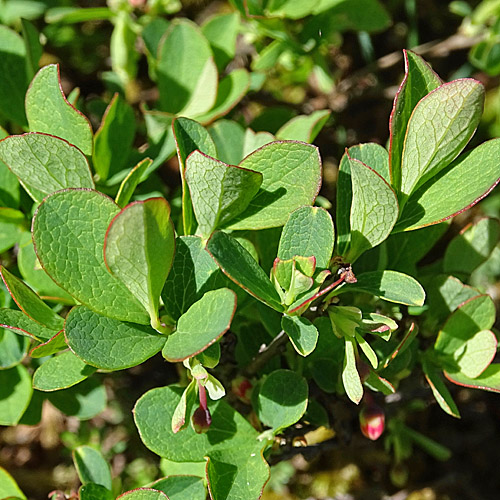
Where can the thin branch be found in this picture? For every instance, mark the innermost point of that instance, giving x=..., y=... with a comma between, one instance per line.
x=266, y=353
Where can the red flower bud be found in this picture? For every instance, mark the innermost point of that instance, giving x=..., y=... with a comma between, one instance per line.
x=201, y=420
x=372, y=421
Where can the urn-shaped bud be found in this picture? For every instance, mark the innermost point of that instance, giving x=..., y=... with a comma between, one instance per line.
x=372, y=421
x=201, y=420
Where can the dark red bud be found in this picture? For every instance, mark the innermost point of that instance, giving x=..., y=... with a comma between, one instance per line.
x=372, y=421
x=201, y=420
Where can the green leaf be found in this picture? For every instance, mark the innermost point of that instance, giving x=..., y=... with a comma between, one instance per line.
x=84, y=401
x=489, y=380
x=367, y=350
x=49, y=112
x=44, y=164
x=61, y=372
x=52, y=346
x=374, y=209
x=92, y=491
x=440, y=126
x=15, y=394
x=350, y=375
x=14, y=80
x=230, y=443
x=201, y=325
x=189, y=136
x=8, y=487
x=466, y=338
x=221, y=31
x=291, y=178
x=114, y=139
x=293, y=9
x=9, y=185
x=139, y=250
x=10, y=234
x=37, y=278
x=232, y=88
x=186, y=72
x=439, y=389
x=183, y=487
x=128, y=185
x=308, y=232
x=219, y=192
x=143, y=494
x=29, y=302
x=193, y=273
x=13, y=348
x=229, y=139
x=389, y=285
x=304, y=128
x=91, y=466
x=108, y=343
x=460, y=186
x=282, y=399
x=184, y=407
x=69, y=227
x=472, y=246
x=34, y=49
x=419, y=80
x=241, y=267
x=303, y=334
x=372, y=155
x=21, y=324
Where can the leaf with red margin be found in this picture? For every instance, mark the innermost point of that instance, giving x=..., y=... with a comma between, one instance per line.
x=53, y=345
x=419, y=80
x=489, y=380
x=30, y=303
x=68, y=233
x=439, y=389
x=465, y=340
x=201, y=325
x=49, y=112
x=21, y=324
x=240, y=267
x=219, y=192
x=291, y=173
x=44, y=163
x=439, y=128
x=190, y=136
x=230, y=445
x=455, y=189
x=108, y=343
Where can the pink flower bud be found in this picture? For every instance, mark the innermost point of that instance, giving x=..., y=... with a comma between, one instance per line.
x=201, y=420
x=372, y=421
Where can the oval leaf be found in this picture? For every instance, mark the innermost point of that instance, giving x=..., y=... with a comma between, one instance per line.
x=45, y=164
x=108, y=343
x=68, y=232
x=61, y=372
x=201, y=325
x=282, y=399
x=308, y=232
x=291, y=178
x=49, y=112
